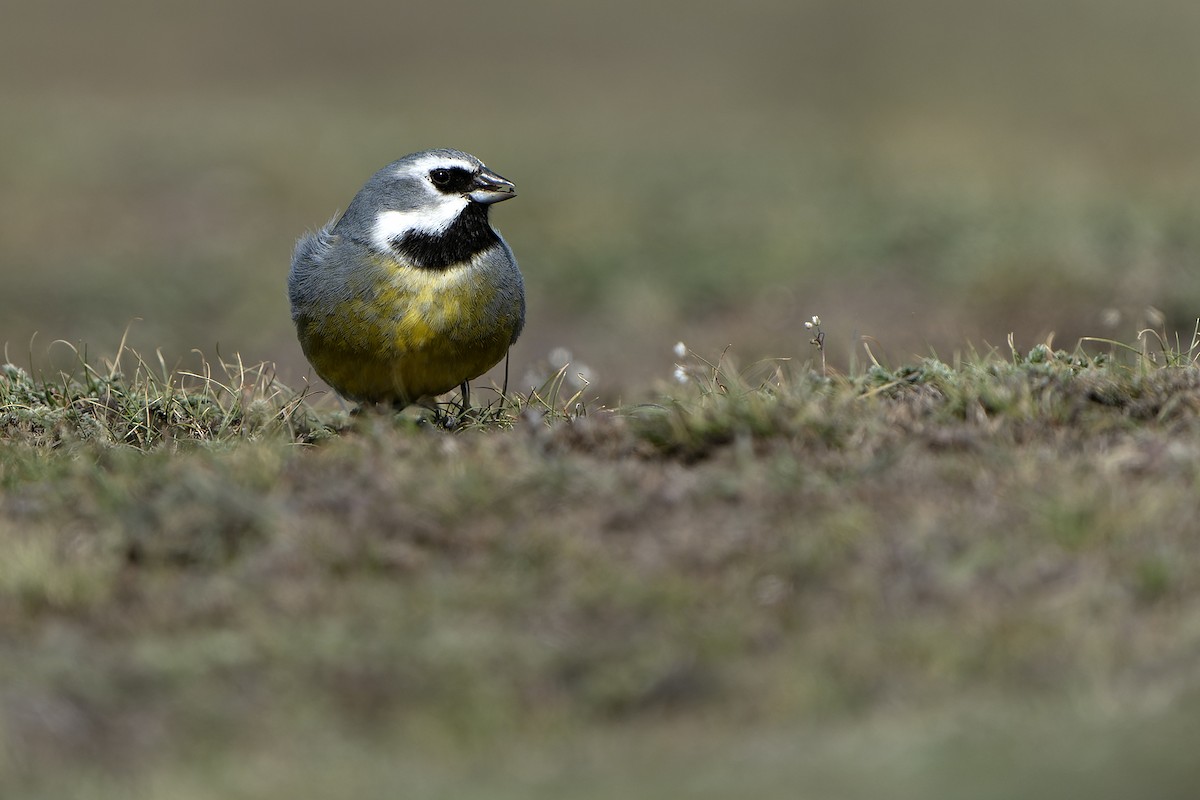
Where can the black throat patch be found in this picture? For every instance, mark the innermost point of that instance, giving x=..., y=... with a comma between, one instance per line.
x=467, y=236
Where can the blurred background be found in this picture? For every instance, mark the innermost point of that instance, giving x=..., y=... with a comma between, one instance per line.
x=933, y=174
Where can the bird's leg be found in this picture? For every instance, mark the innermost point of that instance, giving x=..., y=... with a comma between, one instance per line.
x=465, y=388
x=504, y=389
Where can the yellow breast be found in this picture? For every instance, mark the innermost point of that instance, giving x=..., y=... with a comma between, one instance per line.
x=407, y=333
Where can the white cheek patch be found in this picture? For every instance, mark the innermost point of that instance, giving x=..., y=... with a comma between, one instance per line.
x=435, y=218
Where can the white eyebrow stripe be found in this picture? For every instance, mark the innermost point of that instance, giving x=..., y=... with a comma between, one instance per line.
x=391, y=225
x=433, y=161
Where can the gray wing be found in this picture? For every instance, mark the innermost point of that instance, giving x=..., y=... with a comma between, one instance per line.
x=305, y=282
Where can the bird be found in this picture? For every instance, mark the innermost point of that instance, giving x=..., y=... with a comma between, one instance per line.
x=410, y=292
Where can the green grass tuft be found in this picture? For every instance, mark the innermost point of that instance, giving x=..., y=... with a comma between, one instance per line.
x=150, y=404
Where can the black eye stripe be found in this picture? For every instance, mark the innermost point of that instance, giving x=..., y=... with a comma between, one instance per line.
x=451, y=179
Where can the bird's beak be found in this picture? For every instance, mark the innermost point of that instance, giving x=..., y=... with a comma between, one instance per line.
x=488, y=187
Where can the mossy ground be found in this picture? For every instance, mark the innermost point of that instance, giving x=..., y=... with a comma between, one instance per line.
x=768, y=579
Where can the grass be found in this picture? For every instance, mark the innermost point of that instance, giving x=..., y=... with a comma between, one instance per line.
x=921, y=578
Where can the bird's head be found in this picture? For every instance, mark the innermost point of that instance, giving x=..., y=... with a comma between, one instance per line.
x=425, y=194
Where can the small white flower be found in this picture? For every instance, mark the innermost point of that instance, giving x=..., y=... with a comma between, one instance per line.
x=681, y=375
x=680, y=349
x=808, y=325
x=816, y=320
